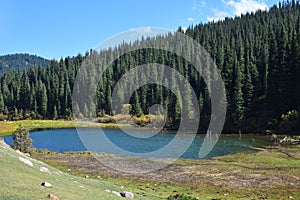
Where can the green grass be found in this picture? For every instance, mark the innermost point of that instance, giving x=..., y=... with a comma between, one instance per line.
x=268, y=174
x=19, y=181
x=205, y=178
x=6, y=128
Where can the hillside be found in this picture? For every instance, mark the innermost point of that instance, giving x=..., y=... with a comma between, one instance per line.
x=21, y=62
x=257, y=54
x=19, y=181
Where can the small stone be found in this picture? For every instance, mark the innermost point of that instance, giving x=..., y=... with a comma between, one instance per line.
x=108, y=191
x=69, y=170
x=51, y=196
x=45, y=170
x=291, y=197
x=122, y=187
x=86, y=176
x=46, y=184
x=27, y=154
x=128, y=195
x=116, y=193
x=58, y=173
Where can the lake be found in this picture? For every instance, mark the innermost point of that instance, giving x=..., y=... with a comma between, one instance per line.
x=66, y=140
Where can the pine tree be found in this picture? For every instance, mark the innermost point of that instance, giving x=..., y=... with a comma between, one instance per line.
x=136, y=106
x=42, y=99
x=237, y=101
x=25, y=92
x=1, y=103
x=55, y=115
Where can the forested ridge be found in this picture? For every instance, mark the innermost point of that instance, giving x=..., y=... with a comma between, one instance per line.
x=21, y=62
x=258, y=55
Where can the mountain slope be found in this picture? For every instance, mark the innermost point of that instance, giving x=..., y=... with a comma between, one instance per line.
x=21, y=181
x=21, y=61
x=257, y=54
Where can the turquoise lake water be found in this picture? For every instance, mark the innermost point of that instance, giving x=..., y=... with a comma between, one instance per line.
x=66, y=140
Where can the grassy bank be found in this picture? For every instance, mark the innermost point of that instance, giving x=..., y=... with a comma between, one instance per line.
x=270, y=174
x=6, y=128
x=273, y=173
x=19, y=181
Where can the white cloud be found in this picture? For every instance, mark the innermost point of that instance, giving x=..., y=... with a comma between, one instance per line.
x=190, y=19
x=141, y=30
x=184, y=29
x=219, y=15
x=197, y=5
x=237, y=7
x=244, y=6
x=203, y=3
x=214, y=19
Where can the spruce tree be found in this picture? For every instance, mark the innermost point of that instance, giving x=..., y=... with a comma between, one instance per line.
x=1, y=103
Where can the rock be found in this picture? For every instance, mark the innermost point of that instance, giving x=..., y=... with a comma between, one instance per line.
x=3, y=144
x=108, y=191
x=69, y=170
x=45, y=170
x=86, y=176
x=51, y=196
x=46, y=184
x=128, y=195
x=116, y=193
x=27, y=154
x=58, y=173
x=26, y=161
x=291, y=197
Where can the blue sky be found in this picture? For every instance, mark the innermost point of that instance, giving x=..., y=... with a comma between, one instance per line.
x=60, y=28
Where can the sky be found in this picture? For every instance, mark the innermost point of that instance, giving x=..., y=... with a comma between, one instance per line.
x=59, y=28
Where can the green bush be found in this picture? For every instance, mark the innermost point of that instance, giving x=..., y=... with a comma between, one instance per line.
x=21, y=140
x=3, y=117
x=181, y=197
x=290, y=121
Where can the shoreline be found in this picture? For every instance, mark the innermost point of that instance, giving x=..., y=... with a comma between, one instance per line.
x=241, y=175
x=7, y=127
x=257, y=171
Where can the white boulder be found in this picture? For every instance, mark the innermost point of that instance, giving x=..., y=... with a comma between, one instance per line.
x=128, y=195
x=116, y=193
x=26, y=161
x=46, y=184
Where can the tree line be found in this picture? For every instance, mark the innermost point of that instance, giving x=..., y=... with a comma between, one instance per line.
x=258, y=55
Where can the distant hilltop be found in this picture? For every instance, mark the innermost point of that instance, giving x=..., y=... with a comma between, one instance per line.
x=21, y=61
